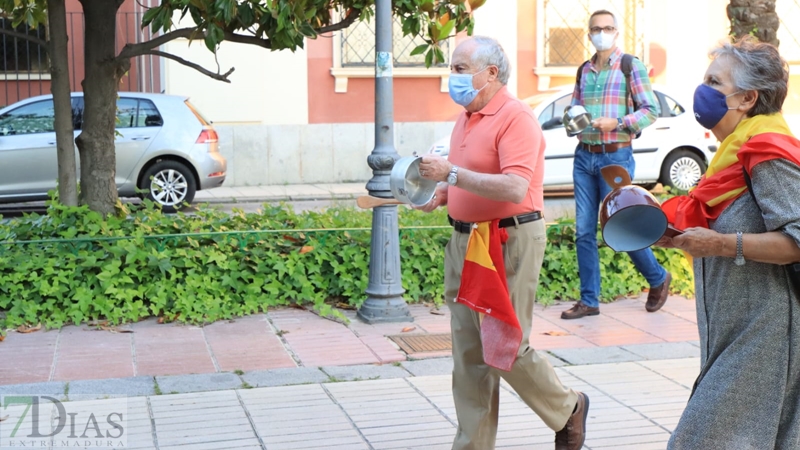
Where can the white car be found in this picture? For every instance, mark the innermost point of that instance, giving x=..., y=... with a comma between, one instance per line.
x=674, y=151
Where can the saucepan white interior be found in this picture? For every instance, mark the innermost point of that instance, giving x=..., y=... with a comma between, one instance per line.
x=576, y=119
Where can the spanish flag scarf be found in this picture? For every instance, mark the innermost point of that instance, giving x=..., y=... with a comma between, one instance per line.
x=755, y=140
x=484, y=290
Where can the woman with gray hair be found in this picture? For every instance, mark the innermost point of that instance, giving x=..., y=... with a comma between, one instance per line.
x=741, y=227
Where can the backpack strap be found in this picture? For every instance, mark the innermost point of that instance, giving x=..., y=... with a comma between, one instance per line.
x=579, y=75
x=627, y=68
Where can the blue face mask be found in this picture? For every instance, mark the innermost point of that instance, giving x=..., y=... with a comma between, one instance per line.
x=461, y=89
x=710, y=105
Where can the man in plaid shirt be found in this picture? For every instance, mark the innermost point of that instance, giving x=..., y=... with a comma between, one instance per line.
x=602, y=90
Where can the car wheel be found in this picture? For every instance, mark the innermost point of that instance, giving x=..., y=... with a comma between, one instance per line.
x=682, y=170
x=170, y=184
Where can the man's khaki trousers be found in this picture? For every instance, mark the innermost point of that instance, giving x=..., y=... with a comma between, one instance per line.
x=476, y=386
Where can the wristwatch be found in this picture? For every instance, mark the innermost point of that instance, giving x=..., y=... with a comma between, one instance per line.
x=452, y=177
x=620, y=124
x=739, y=261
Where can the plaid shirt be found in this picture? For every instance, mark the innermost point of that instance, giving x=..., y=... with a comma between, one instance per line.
x=602, y=93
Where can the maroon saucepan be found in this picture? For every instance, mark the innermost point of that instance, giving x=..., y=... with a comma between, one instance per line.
x=631, y=217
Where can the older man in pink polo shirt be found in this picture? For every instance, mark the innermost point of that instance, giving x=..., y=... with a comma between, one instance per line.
x=495, y=171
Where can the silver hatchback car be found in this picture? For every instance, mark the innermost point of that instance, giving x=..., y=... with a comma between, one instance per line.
x=164, y=147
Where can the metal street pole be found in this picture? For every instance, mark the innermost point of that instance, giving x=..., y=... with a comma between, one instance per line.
x=384, y=301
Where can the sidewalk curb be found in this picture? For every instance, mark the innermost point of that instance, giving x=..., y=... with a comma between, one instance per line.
x=184, y=384
x=274, y=198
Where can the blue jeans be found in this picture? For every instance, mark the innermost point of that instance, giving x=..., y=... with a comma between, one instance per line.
x=590, y=190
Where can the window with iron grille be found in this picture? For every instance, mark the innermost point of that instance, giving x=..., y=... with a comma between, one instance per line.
x=358, y=47
x=22, y=55
x=566, y=23
x=788, y=34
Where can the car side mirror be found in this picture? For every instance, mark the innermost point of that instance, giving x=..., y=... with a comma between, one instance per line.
x=555, y=122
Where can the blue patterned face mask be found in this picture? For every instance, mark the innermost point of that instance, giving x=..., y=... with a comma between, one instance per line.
x=710, y=106
x=460, y=87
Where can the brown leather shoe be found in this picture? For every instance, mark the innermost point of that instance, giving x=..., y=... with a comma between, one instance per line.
x=658, y=295
x=573, y=434
x=578, y=311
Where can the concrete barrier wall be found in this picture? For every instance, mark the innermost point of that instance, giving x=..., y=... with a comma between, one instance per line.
x=261, y=155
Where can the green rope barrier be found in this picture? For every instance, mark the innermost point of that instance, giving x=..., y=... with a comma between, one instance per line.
x=247, y=235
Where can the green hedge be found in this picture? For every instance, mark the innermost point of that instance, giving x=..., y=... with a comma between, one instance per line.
x=72, y=265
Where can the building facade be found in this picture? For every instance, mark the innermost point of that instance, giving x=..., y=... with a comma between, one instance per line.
x=24, y=65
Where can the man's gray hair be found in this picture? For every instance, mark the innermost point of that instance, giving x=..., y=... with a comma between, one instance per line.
x=757, y=66
x=603, y=12
x=489, y=52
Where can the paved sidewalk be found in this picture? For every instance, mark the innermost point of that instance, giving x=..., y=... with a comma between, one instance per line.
x=288, y=192
x=289, y=338
x=634, y=405
x=289, y=379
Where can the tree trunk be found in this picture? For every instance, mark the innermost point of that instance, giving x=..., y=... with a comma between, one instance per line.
x=756, y=17
x=102, y=76
x=59, y=86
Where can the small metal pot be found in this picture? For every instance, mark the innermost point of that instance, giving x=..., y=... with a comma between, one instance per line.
x=576, y=119
x=631, y=217
x=407, y=184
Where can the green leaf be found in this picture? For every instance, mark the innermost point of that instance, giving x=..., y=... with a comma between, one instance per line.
x=230, y=11
x=214, y=36
x=420, y=49
x=149, y=15
x=446, y=29
x=39, y=17
x=439, y=55
x=308, y=31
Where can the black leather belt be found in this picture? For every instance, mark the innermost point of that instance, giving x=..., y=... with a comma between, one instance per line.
x=607, y=148
x=465, y=227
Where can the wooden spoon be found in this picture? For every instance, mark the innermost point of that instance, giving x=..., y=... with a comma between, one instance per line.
x=368, y=202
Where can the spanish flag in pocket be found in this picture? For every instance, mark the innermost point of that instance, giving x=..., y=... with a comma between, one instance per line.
x=484, y=290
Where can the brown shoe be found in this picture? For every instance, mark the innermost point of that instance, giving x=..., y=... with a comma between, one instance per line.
x=658, y=295
x=578, y=311
x=573, y=434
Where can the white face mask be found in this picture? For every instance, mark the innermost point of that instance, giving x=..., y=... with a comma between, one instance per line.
x=603, y=41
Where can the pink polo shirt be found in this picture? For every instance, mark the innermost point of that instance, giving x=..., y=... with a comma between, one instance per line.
x=503, y=137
